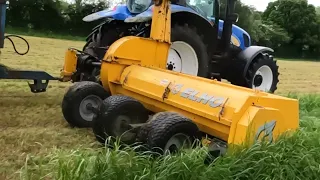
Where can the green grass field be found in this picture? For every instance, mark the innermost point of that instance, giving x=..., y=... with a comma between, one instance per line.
x=36, y=142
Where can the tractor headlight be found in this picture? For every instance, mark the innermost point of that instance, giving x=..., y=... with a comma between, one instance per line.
x=138, y=6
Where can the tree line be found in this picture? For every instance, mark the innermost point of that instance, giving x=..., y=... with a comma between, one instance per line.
x=291, y=27
x=55, y=16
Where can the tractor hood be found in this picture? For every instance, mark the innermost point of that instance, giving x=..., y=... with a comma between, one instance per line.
x=119, y=12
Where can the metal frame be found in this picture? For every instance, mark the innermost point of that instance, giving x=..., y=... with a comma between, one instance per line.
x=37, y=76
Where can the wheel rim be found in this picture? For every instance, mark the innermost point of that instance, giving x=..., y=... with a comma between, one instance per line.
x=263, y=78
x=182, y=58
x=122, y=126
x=177, y=142
x=85, y=112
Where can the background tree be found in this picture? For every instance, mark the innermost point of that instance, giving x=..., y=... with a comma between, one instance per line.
x=299, y=19
x=291, y=27
x=54, y=16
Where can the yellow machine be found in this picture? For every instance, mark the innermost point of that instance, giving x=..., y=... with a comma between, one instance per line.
x=165, y=108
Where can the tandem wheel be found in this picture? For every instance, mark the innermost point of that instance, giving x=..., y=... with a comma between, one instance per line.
x=128, y=120
x=119, y=117
x=79, y=100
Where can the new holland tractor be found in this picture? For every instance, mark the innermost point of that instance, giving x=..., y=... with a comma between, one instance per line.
x=193, y=51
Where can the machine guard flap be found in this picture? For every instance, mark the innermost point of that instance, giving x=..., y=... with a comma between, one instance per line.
x=119, y=12
x=99, y=15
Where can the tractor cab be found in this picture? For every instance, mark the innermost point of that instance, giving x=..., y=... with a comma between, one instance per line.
x=203, y=7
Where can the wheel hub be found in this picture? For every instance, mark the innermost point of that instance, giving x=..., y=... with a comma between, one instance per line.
x=122, y=128
x=89, y=102
x=170, y=66
x=263, y=79
x=257, y=80
x=121, y=124
x=182, y=58
x=177, y=142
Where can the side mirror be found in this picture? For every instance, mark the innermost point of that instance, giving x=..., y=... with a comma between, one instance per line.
x=234, y=17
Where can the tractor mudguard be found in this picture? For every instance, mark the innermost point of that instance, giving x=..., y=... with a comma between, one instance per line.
x=250, y=54
x=119, y=12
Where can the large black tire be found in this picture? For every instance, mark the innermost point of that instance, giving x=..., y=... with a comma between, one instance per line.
x=264, y=60
x=164, y=126
x=190, y=35
x=250, y=79
x=113, y=108
x=109, y=33
x=71, y=104
x=103, y=37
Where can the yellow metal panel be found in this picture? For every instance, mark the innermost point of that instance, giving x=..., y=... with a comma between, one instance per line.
x=254, y=122
x=139, y=51
x=206, y=125
x=218, y=109
x=70, y=65
x=161, y=22
x=110, y=72
x=289, y=109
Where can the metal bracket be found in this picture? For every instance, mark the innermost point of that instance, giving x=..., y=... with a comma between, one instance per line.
x=37, y=76
x=38, y=86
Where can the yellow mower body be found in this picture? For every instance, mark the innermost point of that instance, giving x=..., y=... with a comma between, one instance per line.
x=222, y=110
x=135, y=67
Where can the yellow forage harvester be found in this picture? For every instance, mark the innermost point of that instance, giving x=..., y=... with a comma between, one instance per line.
x=138, y=100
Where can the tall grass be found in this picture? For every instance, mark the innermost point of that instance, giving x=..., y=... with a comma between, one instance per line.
x=294, y=157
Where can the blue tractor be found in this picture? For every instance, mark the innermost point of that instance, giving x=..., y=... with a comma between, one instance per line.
x=202, y=45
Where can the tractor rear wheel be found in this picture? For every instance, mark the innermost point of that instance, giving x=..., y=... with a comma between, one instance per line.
x=102, y=37
x=187, y=54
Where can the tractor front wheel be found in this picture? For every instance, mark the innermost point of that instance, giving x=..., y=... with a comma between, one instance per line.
x=263, y=74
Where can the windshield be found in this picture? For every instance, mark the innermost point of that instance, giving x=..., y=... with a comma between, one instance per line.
x=204, y=7
x=138, y=6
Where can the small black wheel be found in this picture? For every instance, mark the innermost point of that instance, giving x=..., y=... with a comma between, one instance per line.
x=118, y=115
x=263, y=74
x=76, y=102
x=169, y=132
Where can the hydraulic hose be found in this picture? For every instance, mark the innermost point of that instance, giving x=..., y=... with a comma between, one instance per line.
x=14, y=47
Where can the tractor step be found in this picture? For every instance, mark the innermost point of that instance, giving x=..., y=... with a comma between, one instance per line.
x=40, y=78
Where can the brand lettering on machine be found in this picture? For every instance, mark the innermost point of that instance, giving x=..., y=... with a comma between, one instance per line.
x=196, y=96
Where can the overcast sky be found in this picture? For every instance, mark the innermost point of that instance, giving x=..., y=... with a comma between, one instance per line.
x=262, y=4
